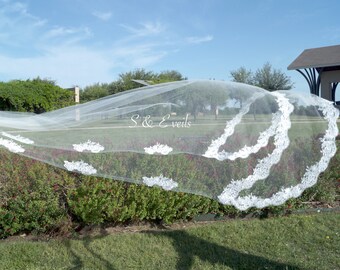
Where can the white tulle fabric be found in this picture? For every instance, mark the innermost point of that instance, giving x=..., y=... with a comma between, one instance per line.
x=236, y=143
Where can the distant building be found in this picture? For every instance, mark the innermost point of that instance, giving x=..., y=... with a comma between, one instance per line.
x=76, y=91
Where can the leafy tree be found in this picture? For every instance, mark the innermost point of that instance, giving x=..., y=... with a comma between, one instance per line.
x=169, y=76
x=242, y=75
x=37, y=95
x=94, y=91
x=125, y=82
x=204, y=99
x=116, y=87
x=126, y=79
x=266, y=77
x=272, y=79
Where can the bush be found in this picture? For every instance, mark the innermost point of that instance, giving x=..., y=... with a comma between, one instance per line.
x=35, y=197
x=33, y=96
x=29, y=198
x=96, y=200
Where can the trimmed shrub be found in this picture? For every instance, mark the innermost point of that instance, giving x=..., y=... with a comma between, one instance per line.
x=33, y=96
x=30, y=200
x=35, y=197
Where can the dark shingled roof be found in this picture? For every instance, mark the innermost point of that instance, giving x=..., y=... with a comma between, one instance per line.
x=318, y=57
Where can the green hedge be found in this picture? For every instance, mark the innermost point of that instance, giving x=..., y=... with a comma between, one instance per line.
x=35, y=197
x=33, y=96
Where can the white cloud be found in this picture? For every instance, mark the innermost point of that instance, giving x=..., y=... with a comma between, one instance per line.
x=59, y=31
x=32, y=47
x=104, y=16
x=68, y=65
x=197, y=40
x=137, y=55
x=148, y=59
x=146, y=29
x=78, y=65
x=21, y=9
x=17, y=24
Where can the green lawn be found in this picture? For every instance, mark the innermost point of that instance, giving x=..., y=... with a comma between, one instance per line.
x=295, y=242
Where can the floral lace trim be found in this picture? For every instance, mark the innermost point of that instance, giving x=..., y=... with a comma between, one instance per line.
x=262, y=141
x=18, y=138
x=12, y=146
x=163, y=182
x=158, y=148
x=79, y=166
x=212, y=151
x=89, y=146
x=262, y=169
x=328, y=150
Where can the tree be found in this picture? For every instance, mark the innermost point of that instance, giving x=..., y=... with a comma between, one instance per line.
x=94, y=91
x=37, y=95
x=203, y=97
x=242, y=75
x=266, y=77
x=272, y=79
x=125, y=80
x=169, y=76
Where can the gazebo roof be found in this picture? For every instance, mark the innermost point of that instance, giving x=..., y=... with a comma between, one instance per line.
x=317, y=58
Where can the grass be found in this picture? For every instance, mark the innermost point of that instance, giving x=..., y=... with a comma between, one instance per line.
x=295, y=242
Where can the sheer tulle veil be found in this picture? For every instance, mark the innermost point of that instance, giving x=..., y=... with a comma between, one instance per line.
x=236, y=143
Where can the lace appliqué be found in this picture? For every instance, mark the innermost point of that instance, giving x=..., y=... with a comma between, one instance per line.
x=262, y=169
x=163, y=182
x=162, y=149
x=18, y=138
x=88, y=146
x=12, y=146
x=79, y=166
x=328, y=150
x=212, y=151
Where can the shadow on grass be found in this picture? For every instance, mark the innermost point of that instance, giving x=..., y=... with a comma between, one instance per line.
x=189, y=246
x=77, y=260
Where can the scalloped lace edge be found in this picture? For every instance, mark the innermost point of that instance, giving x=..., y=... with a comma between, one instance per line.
x=12, y=146
x=18, y=138
x=163, y=182
x=158, y=148
x=212, y=151
x=93, y=147
x=79, y=166
x=328, y=150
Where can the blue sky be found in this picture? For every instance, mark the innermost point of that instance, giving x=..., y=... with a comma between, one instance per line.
x=78, y=42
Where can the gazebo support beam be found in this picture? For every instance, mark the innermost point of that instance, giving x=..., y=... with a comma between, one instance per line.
x=312, y=78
